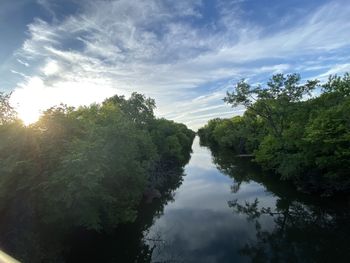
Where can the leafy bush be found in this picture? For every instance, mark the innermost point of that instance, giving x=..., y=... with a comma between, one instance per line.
x=89, y=166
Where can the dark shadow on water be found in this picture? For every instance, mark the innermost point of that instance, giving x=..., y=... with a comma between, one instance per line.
x=25, y=236
x=306, y=228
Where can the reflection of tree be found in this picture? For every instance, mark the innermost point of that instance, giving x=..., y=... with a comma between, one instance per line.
x=162, y=250
x=304, y=228
x=24, y=235
x=301, y=233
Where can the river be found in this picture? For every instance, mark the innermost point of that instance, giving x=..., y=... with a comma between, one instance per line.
x=223, y=212
x=219, y=208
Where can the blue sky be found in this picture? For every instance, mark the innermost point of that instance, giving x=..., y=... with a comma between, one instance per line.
x=185, y=54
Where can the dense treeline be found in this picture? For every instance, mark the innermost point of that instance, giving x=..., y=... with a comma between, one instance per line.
x=30, y=239
x=88, y=166
x=302, y=138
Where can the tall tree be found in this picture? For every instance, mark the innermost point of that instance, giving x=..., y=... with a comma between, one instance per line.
x=271, y=102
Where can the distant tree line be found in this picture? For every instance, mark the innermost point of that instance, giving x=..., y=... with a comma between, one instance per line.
x=302, y=138
x=87, y=166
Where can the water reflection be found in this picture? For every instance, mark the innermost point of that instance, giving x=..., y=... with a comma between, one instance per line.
x=199, y=225
x=305, y=229
x=227, y=210
x=27, y=237
x=223, y=210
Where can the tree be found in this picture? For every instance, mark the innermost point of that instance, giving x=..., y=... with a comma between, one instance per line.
x=338, y=84
x=272, y=102
x=7, y=112
x=327, y=144
x=303, y=140
x=137, y=107
x=89, y=166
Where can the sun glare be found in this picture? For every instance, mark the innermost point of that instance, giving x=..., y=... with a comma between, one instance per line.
x=28, y=101
x=32, y=97
x=50, y=68
x=28, y=116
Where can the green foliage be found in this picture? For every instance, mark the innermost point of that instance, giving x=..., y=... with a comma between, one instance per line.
x=327, y=141
x=303, y=140
x=173, y=141
x=89, y=166
x=241, y=134
x=271, y=102
x=7, y=113
x=338, y=84
x=138, y=108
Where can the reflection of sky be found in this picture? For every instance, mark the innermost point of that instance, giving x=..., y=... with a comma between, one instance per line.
x=199, y=225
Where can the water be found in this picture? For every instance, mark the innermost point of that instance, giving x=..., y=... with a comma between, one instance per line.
x=227, y=210
x=199, y=226
x=219, y=209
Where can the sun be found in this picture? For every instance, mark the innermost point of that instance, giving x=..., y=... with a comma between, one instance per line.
x=29, y=101
x=28, y=115
x=32, y=97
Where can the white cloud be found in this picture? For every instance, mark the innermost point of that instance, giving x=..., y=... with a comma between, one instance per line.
x=18, y=73
x=127, y=45
x=338, y=69
x=23, y=62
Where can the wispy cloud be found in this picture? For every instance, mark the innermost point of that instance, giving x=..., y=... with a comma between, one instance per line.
x=172, y=52
x=23, y=62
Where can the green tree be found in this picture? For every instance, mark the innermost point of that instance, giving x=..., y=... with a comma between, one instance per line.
x=304, y=140
x=89, y=166
x=137, y=107
x=7, y=112
x=327, y=138
x=272, y=101
x=338, y=84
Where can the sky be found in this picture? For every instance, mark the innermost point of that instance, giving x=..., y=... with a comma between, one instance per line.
x=185, y=54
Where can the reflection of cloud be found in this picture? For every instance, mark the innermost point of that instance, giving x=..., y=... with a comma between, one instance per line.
x=199, y=225
x=203, y=235
x=199, y=235
x=206, y=183
x=201, y=157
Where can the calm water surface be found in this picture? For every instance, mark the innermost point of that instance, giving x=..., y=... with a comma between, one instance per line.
x=199, y=226
x=219, y=209
x=227, y=211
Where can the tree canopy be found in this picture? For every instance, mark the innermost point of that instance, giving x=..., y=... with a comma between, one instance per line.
x=302, y=138
x=88, y=166
x=272, y=101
